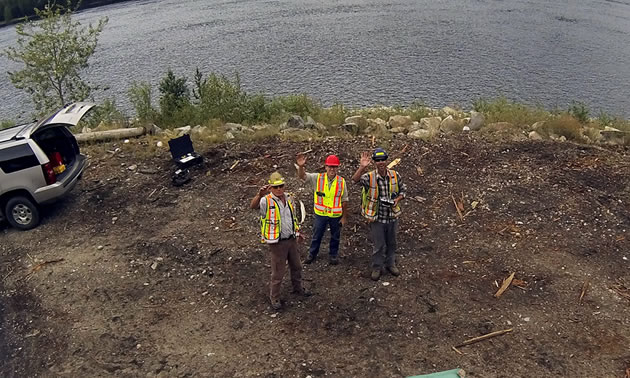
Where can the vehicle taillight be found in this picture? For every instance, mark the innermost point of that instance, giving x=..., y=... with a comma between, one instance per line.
x=49, y=173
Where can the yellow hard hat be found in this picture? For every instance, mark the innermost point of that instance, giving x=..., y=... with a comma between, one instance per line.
x=276, y=179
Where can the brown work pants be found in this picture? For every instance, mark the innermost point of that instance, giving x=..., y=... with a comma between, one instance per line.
x=280, y=253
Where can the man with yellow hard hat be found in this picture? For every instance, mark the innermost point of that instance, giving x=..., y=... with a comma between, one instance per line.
x=330, y=199
x=280, y=230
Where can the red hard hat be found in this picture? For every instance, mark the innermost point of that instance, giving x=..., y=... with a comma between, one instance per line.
x=332, y=161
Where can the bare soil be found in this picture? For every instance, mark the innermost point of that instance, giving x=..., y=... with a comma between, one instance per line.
x=130, y=276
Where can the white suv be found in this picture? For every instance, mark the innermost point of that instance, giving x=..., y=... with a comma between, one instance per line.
x=39, y=163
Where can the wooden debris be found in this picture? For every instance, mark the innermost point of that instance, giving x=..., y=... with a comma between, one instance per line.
x=40, y=265
x=621, y=289
x=306, y=152
x=394, y=163
x=505, y=285
x=519, y=283
x=584, y=287
x=483, y=337
x=457, y=350
x=373, y=140
x=235, y=164
x=459, y=206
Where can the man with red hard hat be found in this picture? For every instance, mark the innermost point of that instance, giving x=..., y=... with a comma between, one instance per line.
x=330, y=199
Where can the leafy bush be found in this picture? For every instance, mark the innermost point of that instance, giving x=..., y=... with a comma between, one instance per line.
x=222, y=98
x=579, y=111
x=6, y=124
x=335, y=115
x=106, y=116
x=503, y=110
x=140, y=97
x=174, y=97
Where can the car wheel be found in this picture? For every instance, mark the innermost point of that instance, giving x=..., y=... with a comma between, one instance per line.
x=22, y=213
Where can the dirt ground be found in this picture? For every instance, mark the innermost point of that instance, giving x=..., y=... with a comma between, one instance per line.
x=130, y=276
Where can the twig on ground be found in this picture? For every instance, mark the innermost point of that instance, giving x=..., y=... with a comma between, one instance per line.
x=457, y=350
x=459, y=212
x=505, y=285
x=483, y=337
x=584, y=287
x=7, y=275
x=40, y=265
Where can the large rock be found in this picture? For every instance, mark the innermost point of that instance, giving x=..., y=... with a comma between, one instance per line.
x=614, y=137
x=476, y=121
x=295, y=121
x=450, y=125
x=358, y=120
x=420, y=134
x=376, y=126
x=533, y=135
x=352, y=128
x=182, y=130
x=310, y=123
x=414, y=126
x=399, y=121
x=431, y=123
x=398, y=130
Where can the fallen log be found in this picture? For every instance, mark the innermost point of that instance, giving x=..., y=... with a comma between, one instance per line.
x=98, y=136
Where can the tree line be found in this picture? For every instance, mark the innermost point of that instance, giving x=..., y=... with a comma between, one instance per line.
x=15, y=10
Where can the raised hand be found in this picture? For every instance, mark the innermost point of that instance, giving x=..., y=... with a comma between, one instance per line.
x=264, y=190
x=365, y=159
x=300, y=159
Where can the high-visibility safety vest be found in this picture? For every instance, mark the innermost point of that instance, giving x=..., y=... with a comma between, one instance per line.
x=370, y=196
x=270, y=223
x=328, y=204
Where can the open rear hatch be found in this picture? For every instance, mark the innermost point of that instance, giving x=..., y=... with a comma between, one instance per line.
x=60, y=146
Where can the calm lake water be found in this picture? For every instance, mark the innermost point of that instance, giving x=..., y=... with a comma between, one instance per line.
x=367, y=52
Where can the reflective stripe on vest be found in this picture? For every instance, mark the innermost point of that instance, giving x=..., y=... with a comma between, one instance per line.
x=370, y=196
x=328, y=205
x=270, y=223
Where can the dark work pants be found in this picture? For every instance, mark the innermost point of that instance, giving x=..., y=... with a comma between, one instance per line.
x=319, y=228
x=281, y=252
x=383, y=244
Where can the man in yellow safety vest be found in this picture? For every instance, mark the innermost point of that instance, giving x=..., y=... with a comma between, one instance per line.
x=279, y=229
x=382, y=190
x=330, y=199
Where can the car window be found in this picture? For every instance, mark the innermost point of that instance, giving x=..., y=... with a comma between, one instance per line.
x=16, y=158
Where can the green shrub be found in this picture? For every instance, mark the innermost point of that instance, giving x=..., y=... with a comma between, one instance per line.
x=335, y=115
x=6, y=124
x=222, y=98
x=140, y=97
x=105, y=114
x=503, y=110
x=579, y=111
x=174, y=97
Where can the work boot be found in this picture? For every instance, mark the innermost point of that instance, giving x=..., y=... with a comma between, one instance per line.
x=303, y=292
x=334, y=260
x=309, y=259
x=376, y=274
x=394, y=270
x=276, y=304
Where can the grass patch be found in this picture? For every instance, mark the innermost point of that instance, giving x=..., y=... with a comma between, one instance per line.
x=565, y=125
x=503, y=110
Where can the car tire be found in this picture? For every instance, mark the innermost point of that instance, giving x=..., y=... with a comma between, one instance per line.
x=22, y=213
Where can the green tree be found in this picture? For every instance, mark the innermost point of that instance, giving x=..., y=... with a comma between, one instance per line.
x=174, y=94
x=54, y=51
